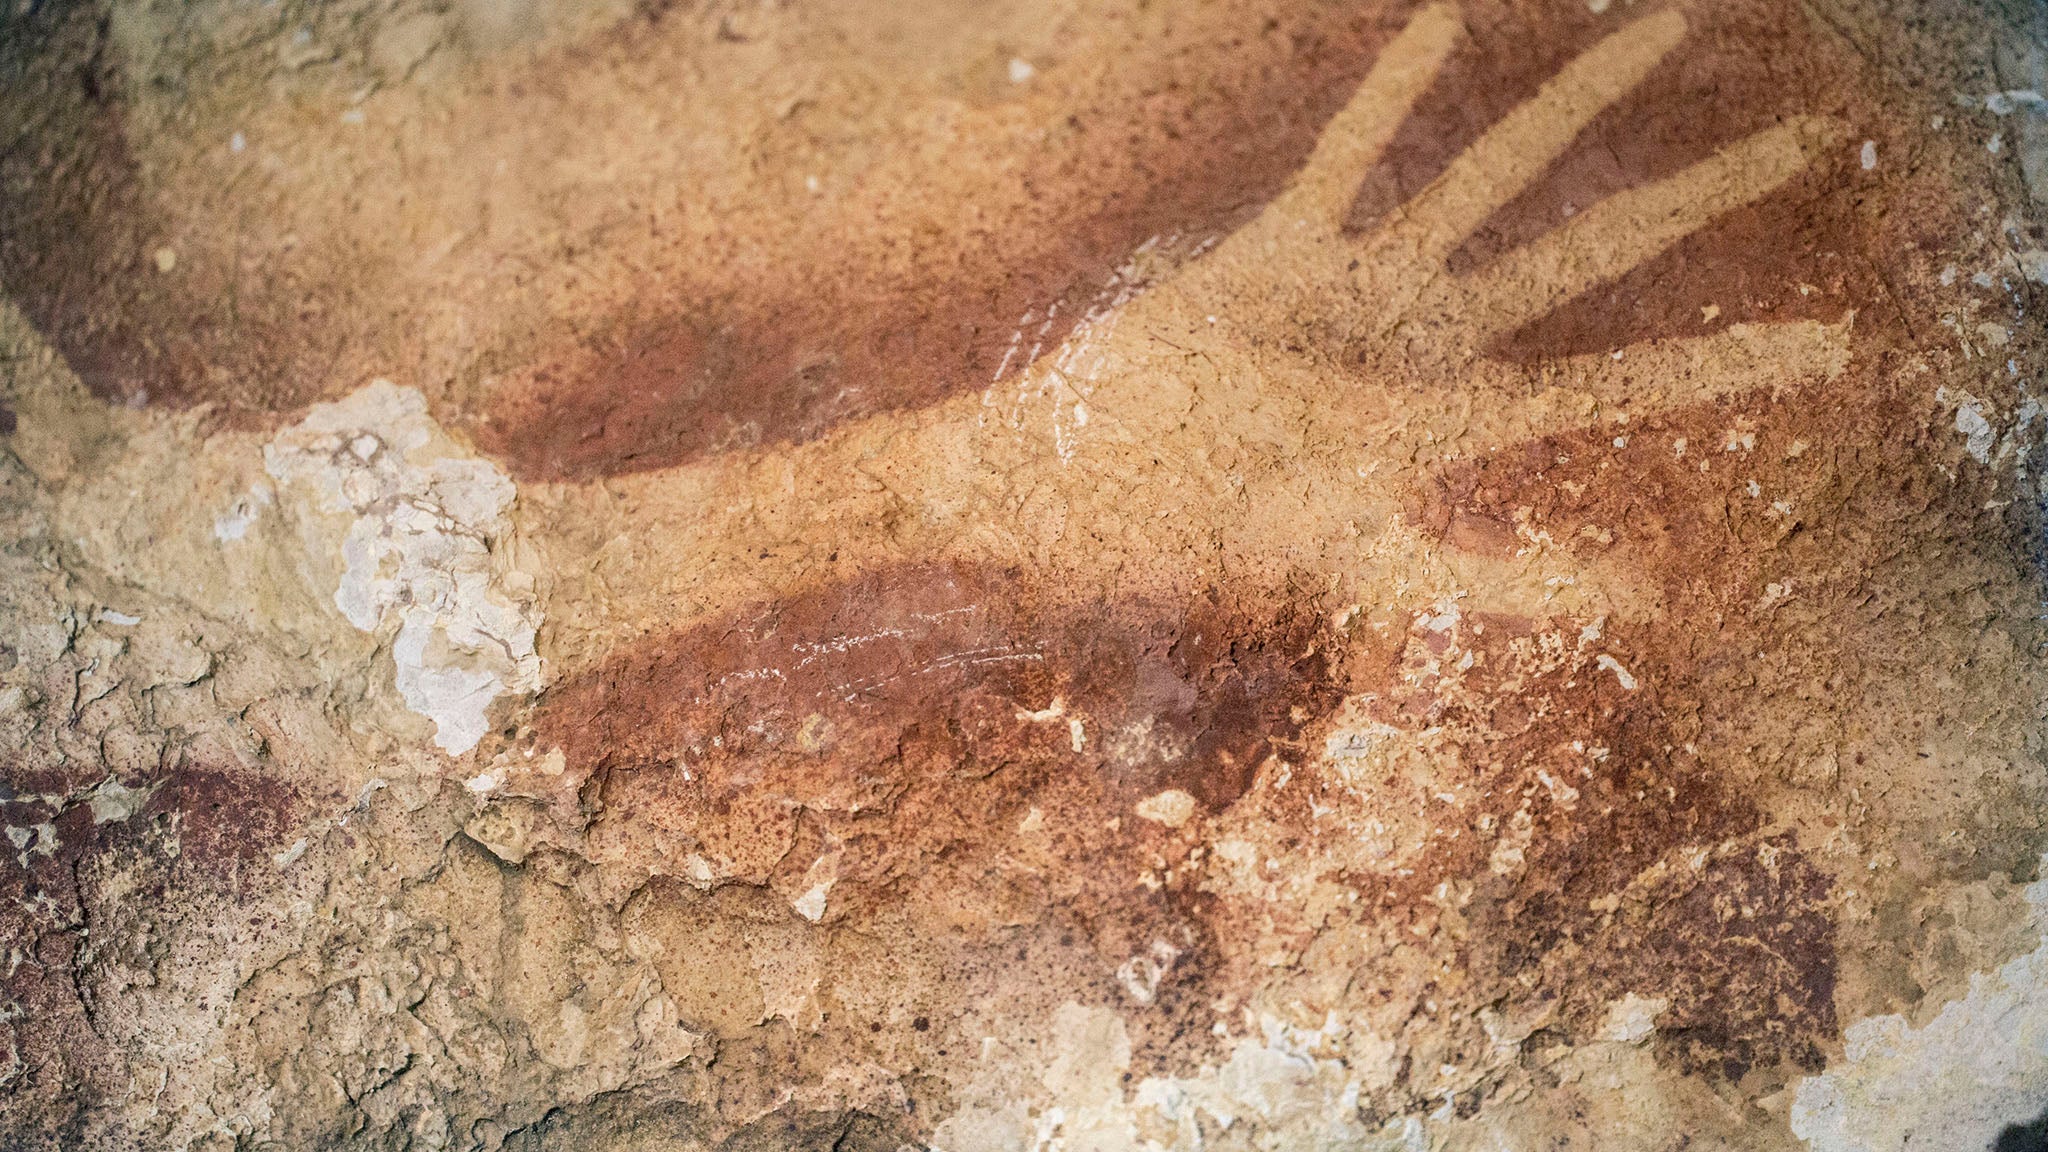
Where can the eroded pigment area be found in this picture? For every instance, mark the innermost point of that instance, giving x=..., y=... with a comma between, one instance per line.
x=1073, y=576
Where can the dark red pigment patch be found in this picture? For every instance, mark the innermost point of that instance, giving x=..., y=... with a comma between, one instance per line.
x=85, y=906
x=785, y=361
x=909, y=306
x=1660, y=880
x=1754, y=65
x=842, y=699
x=68, y=196
x=1749, y=265
x=921, y=720
x=79, y=226
x=1618, y=811
x=227, y=820
x=905, y=313
x=1746, y=946
x=893, y=715
x=1686, y=522
x=1737, y=928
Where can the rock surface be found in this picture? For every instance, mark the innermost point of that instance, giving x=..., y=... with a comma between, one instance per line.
x=995, y=576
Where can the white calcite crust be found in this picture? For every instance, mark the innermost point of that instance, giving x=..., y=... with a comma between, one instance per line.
x=1979, y=1065
x=425, y=519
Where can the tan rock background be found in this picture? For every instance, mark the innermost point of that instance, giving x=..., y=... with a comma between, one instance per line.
x=1021, y=576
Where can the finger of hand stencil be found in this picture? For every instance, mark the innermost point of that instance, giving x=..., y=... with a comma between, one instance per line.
x=1516, y=150
x=1626, y=229
x=1322, y=191
x=1653, y=377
